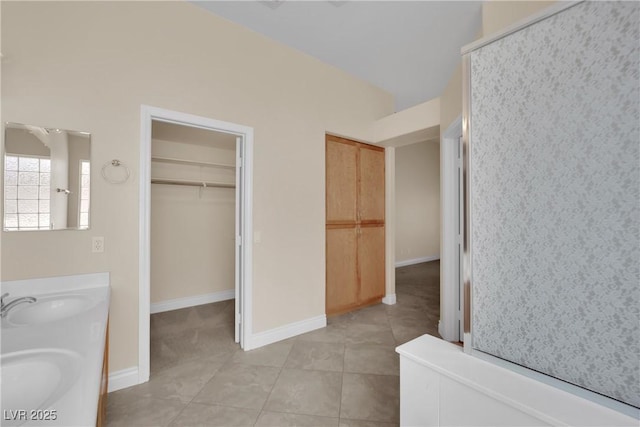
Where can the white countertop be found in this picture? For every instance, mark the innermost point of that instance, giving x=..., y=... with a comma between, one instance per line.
x=81, y=335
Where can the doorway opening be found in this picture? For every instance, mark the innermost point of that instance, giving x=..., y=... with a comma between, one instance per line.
x=195, y=207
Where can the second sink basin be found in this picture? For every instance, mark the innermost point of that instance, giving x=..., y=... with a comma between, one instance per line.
x=48, y=309
x=35, y=379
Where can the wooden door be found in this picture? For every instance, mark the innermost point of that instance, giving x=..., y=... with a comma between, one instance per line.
x=371, y=185
x=342, y=268
x=371, y=248
x=341, y=180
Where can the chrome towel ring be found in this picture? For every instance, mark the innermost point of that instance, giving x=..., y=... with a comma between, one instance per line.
x=115, y=172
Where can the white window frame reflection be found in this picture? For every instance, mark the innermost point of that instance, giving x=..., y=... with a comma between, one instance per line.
x=85, y=194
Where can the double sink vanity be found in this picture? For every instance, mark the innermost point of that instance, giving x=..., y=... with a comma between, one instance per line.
x=53, y=350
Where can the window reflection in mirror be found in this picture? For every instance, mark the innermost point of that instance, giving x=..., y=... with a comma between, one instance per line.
x=46, y=178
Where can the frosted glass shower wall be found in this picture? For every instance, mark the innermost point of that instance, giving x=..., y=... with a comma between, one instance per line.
x=554, y=187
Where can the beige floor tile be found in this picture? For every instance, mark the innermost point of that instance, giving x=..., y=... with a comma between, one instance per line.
x=370, y=397
x=361, y=333
x=371, y=359
x=306, y=392
x=270, y=355
x=122, y=410
x=320, y=356
x=215, y=416
x=374, y=315
x=280, y=419
x=242, y=386
x=183, y=381
x=189, y=345
x=331, y=333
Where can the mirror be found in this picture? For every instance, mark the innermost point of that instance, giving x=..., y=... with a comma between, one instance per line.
x=46, y=178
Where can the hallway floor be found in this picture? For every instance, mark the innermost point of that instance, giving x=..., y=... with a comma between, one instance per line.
x=346, y=374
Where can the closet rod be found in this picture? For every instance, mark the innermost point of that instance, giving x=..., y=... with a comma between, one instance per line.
x=204, y=184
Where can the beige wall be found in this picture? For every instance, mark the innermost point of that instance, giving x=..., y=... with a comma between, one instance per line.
x=192, y=228
x=498, y=15
x=90, y=65
x=417, y=201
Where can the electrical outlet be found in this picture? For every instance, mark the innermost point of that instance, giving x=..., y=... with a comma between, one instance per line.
x=97, y=244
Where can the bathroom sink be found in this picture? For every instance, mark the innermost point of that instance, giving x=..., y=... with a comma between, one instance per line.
x=35, y=379
x=48, y=309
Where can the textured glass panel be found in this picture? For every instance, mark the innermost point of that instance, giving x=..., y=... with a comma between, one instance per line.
x=86, y=168
x=27, y=206
x=45, y=165
x=11, y=220
x=85, y=181
x=11, y=178
x=45, y=178
x=555, y=219
x=10, y=192
x=43, y=221
x=84, y=206
x=11, y=206
x=28, y=220
x=43, y=206
x=85, y=193
x=11, y=163
x=28, y=192
x=44, y=193
x=28, y=178
x=29, y=164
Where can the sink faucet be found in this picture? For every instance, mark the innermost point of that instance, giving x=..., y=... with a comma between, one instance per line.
x=4, y=308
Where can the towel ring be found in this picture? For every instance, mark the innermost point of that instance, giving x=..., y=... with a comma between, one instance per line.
x=115, y=163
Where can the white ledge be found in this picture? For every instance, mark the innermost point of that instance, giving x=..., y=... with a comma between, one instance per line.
x=542, y=401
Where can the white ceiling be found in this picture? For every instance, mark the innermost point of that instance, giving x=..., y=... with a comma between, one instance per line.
x=408, y=48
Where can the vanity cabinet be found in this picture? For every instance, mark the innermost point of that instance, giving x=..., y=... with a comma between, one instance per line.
x=355, y=225
x=101, y=419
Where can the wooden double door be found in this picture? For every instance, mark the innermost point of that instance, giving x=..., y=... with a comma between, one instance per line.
x=355, y=227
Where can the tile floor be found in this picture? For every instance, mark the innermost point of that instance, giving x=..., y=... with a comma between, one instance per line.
x=344, y=375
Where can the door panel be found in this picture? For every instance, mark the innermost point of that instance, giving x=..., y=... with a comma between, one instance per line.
x=341, y=182
x=342, y=276
x=371, y=248
x=371, y=185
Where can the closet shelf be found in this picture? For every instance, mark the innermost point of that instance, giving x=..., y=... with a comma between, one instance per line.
x=190, y=162
x=191, y=183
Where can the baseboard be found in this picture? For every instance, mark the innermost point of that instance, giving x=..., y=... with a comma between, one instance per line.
x=417, y=260
x=123, y=379
x=283, y=332
x=178, y=303
x=389, y=299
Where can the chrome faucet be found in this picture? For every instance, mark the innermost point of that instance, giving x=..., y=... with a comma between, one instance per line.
x=4, y=308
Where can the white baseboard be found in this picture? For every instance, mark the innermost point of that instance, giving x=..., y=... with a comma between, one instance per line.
x=417, y=260
x=283, y=332
x=178, y=303
x=123, y=379
x=389, y=299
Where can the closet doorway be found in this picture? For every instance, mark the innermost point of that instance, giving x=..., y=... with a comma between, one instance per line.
x=195, y=217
